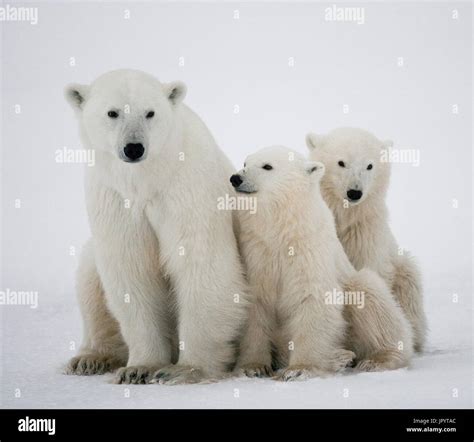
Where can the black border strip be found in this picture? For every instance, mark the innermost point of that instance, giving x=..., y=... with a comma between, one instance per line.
x=209, y=425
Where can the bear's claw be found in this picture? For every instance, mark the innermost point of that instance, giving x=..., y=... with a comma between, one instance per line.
x=88, y=365
x=255, y=371
x=298, y=373
x=342, y=359
x=178, y=374
x=134, y=375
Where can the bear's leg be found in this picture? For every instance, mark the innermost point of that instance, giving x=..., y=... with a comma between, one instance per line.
x=127, y=254
x=407, y=289
x=212, y=310
x=316, y=332
x=255, y=359
x=145, y=323
x=379, y=333
x=208, y=285
x=103, y=348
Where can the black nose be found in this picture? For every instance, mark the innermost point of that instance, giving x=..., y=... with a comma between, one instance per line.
x=354, y=195
x=134, y=151
x=236, y=180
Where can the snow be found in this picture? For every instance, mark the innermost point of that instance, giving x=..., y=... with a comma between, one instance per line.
x=242, y=62
x=36, y=345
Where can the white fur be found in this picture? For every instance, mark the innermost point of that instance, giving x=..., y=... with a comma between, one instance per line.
x=163, y=263
x=362, y=226
x=293, y=259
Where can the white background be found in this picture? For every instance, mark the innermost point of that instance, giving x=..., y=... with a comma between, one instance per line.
x=243, y=62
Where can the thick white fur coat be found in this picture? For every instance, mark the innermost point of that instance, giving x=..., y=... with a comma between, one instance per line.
x=163, y=260
x=294, y=260
x=363, y=227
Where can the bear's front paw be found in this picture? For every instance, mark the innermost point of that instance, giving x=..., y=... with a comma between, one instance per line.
x=368, y=365
x=139, y=374
x=255, y=371
x=178, y=374
x=341, y=359
x=91, y=364
x=298, y=373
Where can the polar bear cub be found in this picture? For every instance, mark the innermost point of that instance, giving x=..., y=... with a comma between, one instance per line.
x=294, y=262
x=290, y=267
x=355, y=186
x=157, y=281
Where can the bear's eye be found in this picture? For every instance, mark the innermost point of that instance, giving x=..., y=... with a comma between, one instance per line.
x=267, y=167
x=112, y=114
x=369, y=167
x=341, y=163
x=150, y=114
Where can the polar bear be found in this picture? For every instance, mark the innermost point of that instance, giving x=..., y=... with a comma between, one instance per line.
x=355, y=187
x=157, y=282
x=294, y=263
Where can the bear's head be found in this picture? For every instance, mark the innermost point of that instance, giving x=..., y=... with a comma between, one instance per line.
x=126, y=113
x=277, y=172
x=352, y=157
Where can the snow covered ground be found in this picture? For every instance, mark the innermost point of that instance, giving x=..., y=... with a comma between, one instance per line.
x=36, y=344
x=288, y=70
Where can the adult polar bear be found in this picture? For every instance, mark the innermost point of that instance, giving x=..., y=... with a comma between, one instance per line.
x=163, y=262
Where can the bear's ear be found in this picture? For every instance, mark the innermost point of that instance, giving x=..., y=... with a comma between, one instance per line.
x=314, y=168
x=76, y=95
x=175, y=91
x=314, y=141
